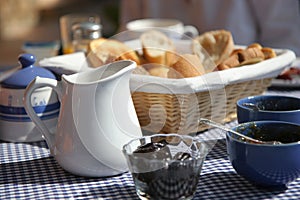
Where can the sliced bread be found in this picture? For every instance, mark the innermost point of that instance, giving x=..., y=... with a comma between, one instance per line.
x=188, y=65
x=103, y=51
x=158, y=48
x=218, y=44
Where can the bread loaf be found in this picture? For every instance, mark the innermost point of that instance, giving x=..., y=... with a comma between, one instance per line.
x=213, y=50
x=187, y=65
x=255, y=45
x=155, y=69
x=219, y=44
x=232, y=61
x=268, y=52
x=103, y=51
x=158, y=48
x=250, y=55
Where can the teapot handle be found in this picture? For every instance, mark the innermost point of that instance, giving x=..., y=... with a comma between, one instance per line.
x=39, y=82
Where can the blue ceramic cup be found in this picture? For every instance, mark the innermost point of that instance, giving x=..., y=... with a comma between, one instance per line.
x=266, y=165
x=268, y=107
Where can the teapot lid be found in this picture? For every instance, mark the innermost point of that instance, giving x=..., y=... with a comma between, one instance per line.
x=22, y=77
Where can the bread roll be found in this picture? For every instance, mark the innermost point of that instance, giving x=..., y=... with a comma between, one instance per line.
x=158, y=70
x=103, y=51
x=255, y=45
x=250, y=56
x=222, y=66
x=218, y=44
x=232, y=61
x=236, y=51
x=187, y=65
x=268, y=53
x=140, y=70
x=158, y=48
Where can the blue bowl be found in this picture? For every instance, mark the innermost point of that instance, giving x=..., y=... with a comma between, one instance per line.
x=268, y=107
x=266, y=164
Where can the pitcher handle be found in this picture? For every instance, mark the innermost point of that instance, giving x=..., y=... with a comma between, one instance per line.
x=39, y=82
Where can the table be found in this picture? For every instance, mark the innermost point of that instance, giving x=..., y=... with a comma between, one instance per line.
x=27, y=171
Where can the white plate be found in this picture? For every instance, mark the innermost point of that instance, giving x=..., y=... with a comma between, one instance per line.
x=295, y=82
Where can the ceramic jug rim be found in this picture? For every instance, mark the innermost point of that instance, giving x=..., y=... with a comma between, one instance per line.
x=94, y=75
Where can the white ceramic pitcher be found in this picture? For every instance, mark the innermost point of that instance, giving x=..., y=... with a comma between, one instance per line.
x=97, y=117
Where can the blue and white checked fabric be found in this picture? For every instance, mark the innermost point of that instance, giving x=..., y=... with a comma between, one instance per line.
x=27, y=171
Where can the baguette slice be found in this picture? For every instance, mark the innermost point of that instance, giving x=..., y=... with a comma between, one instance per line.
x=218, y=44
x=268, y=53
x=156, y=70
x=239, y=57
x=103, y=51
x=188, y=65
x=250, y=56
x=158, y=48
x=232, y=61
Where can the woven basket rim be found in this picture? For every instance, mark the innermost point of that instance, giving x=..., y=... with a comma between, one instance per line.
x=214, y=80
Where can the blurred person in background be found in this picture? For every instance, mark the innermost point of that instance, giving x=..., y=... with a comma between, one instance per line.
x=272, y=23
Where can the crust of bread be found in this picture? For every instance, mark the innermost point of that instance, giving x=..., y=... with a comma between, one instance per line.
x=222, y=66
x=93, y=45
x=250, y=56
x=187, y=65
x=103, y=51
x=232, y=61
x=255, y=45
x=162, y=60
x=268, y=52
x=157, y=48
x=219, y=44
x=155, y=69
x=236, y=51
x=140, y=70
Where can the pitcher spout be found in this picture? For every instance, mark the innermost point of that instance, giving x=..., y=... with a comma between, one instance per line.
x=103, y=73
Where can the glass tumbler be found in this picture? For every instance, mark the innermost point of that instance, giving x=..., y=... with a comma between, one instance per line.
x=165, y=166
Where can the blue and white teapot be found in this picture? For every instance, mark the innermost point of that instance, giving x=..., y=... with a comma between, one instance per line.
x=15, y=124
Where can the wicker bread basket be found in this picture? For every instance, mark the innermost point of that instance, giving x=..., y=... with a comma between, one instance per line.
x=175, y=105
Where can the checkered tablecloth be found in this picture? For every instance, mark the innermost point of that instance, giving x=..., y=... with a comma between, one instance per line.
x=27, y=171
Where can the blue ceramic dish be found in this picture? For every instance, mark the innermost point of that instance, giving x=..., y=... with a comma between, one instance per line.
x=266, y=164
x=268, y=107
